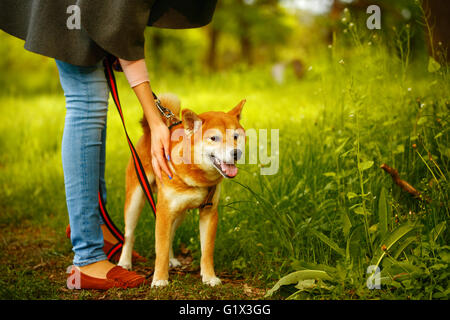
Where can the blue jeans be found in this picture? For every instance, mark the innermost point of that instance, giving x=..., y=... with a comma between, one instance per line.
x=83, y=156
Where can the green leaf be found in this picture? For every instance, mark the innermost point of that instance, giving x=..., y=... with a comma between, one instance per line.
x=329, y=186
x=351, y=195
x=399, y=149
x=328, y=242
x=360, y=210
x=346, y=223
x=309, y=284
x=401, y=270
x=296, y=277
x=439, y=295
x=383, y=213
x=445, y=256
x=297, y=187
x=433, y=65
x=303, y=265
x=439, y=266
x=391, y=239
x=339, y=149
x=403, y=246
x=329, y=174
x=422, y=121
x=438, y=230
x=305, y=284
x=373, y=228
x=365, y=165
x=438, y=135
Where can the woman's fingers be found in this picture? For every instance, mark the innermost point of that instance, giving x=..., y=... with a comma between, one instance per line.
x=156, y=168
x=162, y=163
x=166, y=145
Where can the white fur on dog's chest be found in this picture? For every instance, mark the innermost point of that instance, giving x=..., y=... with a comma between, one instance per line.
x=188, y=199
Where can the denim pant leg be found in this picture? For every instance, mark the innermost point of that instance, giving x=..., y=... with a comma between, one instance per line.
x=83, y=156
x=102, y=165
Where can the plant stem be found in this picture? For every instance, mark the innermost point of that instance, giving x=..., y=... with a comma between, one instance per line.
x=361, y=184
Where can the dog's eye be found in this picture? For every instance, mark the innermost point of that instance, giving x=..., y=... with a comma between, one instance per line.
x=214, y=138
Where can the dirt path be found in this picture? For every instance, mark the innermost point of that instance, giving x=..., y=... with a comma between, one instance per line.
x=33, y=261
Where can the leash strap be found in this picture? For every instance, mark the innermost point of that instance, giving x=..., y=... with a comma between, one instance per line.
x=208, y=201
x=111, y=226
x=140, y=172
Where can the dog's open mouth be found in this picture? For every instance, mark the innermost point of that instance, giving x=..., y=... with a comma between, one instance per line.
x=228, y=170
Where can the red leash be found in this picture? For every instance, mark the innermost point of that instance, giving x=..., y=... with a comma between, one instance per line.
x=140, y=172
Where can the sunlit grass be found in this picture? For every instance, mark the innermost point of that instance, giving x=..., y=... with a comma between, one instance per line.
x=353, y=111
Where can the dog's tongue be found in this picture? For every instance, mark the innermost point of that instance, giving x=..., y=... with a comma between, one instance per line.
x=229, y=169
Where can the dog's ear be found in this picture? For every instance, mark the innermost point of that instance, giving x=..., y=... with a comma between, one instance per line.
x=236, y=111
x=191, y=121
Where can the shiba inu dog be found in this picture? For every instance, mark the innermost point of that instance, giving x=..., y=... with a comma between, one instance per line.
x=204, y=149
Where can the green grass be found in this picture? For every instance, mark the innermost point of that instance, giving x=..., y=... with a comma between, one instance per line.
x=330, y=207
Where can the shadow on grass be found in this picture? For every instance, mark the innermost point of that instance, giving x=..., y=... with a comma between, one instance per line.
x=33, y=261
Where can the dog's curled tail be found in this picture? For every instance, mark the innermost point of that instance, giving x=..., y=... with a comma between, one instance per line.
x=168, y=100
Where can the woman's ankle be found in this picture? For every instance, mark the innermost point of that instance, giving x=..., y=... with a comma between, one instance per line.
x=97, y=269
x=107, y=235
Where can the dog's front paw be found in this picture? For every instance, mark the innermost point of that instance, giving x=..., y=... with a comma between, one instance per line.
x=173, y=263
x=125, y=265
x=159, y=283
x=212, y=281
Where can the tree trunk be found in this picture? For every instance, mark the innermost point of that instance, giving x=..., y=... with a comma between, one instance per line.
x=438, y=12
x=246, y=46
x=244, y=39
x=154, y=47
x=213, y=34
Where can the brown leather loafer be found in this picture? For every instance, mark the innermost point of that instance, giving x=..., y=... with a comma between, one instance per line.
x=117, y=277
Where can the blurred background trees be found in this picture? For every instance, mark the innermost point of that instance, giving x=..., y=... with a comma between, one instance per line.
x=260, y=32
x=248, y=34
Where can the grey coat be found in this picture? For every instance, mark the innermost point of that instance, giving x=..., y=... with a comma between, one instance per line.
x=106, y=26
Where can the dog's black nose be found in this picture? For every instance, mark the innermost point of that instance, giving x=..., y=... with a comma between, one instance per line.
x=236, y=154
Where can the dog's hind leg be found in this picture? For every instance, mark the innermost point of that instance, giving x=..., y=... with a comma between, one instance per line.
x=133, y=206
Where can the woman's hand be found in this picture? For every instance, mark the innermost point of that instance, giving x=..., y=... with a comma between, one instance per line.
x=160, y=142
